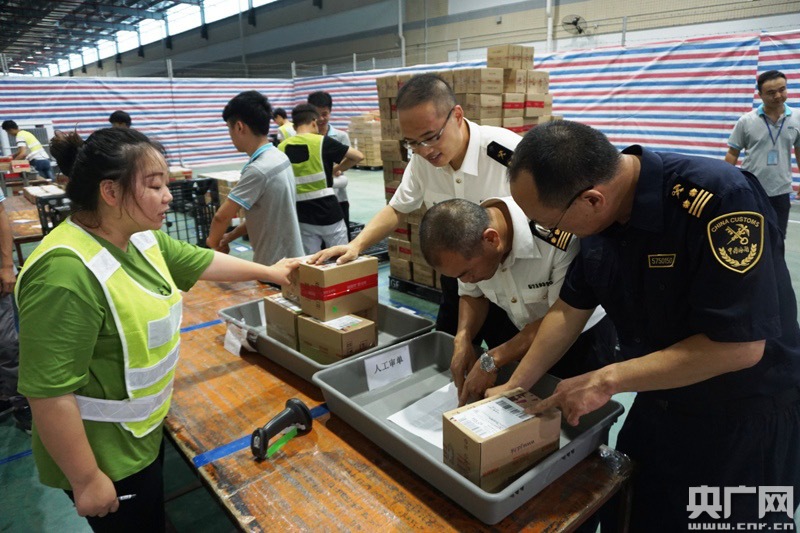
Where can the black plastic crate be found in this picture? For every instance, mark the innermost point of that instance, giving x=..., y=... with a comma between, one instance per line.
x=194, y=203
x=52, y=210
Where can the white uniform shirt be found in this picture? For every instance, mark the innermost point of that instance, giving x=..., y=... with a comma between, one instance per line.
x=528, y=282
x=339, y=182
x=480, y=177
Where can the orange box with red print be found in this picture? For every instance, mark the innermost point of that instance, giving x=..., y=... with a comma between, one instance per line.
x=330, y=291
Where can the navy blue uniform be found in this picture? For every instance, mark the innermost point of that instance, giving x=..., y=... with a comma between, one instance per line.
x=701, y=254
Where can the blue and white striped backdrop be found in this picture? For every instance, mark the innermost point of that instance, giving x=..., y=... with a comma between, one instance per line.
x=680, y=96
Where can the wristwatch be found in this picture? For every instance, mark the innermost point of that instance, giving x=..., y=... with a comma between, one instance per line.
x=487, y=363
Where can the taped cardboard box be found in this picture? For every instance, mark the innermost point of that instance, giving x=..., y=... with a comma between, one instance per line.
x=537, y=105
x=399, y=248
x=20, y=165
x=292, y=291
x=335, y=339
x=513, y=105
x=491, y=441
x=282, y=316
x=329, y=291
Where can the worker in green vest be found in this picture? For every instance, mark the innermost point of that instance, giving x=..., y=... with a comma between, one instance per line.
x=29, y=147
x=285, y=127
x=315, y=161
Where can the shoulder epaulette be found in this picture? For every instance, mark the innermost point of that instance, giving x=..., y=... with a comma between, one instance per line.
x=499, y=153
x=560, y=239
x=690, y=197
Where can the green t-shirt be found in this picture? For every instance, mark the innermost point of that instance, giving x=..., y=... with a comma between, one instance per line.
x=69, y=344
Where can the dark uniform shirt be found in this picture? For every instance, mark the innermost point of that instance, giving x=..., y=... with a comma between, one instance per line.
x=701, y=254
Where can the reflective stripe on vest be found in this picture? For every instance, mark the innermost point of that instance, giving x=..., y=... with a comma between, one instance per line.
x=287, y=130
x=150, y=353
x=30, y=141
x=310, y=179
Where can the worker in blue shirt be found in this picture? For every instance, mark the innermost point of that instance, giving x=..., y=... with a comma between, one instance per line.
x=686, y=256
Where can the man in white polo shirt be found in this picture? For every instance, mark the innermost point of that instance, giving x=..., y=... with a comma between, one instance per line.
x=768, y=135
x=453, y=158
x=496, y=257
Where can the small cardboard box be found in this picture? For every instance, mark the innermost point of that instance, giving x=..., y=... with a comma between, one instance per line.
x=42, y=191
x=513, y=105
x=492, y=440
x=515, y=80
x=20, y=165
x=538, y=81
x=393, y=150
x=180, y=173
x=399, y=248
x=329, y=291
x=400, y=268
x=485, y=81
x=537, y=105
x=423, y=273
x=282, y=320
x=519, y=125
x=334, y=339
x=480, y=106
x=292, y=291
x=504, y=56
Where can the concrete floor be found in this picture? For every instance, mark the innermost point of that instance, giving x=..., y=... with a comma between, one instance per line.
x=26, y=505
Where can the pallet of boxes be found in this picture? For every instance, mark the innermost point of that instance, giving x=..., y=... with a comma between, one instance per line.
x=365, y=135
x=329, y=312
x=406, y=262
x=226, y=181
x=508, y=92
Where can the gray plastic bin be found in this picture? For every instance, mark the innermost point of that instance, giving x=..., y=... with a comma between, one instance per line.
x=393, y=326
x=344, y=387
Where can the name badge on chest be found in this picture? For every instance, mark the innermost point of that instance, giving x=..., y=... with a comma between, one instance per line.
x=772, y=157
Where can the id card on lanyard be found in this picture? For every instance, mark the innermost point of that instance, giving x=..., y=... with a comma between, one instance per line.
x=261, y=149
x=772, y=155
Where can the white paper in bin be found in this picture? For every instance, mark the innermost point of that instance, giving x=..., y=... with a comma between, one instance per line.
x=345, y=390
x=394, y=326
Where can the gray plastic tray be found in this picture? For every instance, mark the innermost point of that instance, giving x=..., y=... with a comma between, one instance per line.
x=393, y=326
x=344, y=387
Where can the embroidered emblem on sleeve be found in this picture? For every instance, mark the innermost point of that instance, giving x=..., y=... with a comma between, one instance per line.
x=737, y=240
x=499, y=153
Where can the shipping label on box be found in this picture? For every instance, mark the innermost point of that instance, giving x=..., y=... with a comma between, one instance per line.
x=400, y=268
x=492, y=440
x=538, y=81
x=329, y=291
x=329, y=341
x=513, y=105
x=281, y=315
x=515, y=80
x=537, y=105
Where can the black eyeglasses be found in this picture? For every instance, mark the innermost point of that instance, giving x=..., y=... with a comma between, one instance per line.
x=549, y=233
x=430, y=142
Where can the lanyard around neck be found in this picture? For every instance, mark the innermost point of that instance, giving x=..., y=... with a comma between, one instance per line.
x=769, y=130
x=261, y=149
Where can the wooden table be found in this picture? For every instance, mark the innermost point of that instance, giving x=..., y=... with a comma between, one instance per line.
x=25, y=224
x=333, y=478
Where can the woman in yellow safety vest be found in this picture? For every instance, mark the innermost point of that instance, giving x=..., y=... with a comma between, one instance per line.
x=100, y=314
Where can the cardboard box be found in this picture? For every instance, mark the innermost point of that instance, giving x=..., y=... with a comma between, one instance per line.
x=484, y=80
x=400, y=268
x=492, y=440
x=537, y=105
x=496, y=122
x=282, y=320
x=292, y=291
x=513, y=105
x=480, y=106
x=20, y=165
x=384, y=107
x=423, y=273
x=447, y=76
x=526, y=57
x=335, y=339
x=180, y=173
x=515, y=80
x=393, y=150
x=401, y=231
x=519, y=125
x=42, y=191
x=391, y=188
x=415, y=216
x=329, y=291
x=399, y=248
x=538, y=81
x=504, y=56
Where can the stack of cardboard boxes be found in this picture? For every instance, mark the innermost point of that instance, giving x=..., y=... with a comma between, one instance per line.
x=179, y=173
x=524, y=101
x=405, y=257
x=329, y=312
x=365, y=135
x=12, y=168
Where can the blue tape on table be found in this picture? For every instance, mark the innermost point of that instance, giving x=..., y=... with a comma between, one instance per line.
x=240, y=444
x=201, y=326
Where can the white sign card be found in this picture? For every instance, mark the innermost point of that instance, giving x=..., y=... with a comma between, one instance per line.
x=387, y=367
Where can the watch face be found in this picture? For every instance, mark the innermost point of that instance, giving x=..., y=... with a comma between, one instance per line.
x=487, y=363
